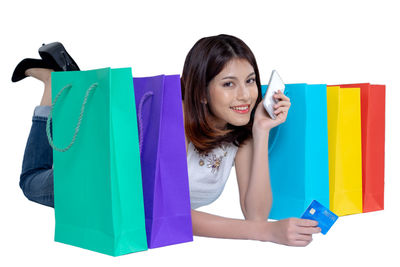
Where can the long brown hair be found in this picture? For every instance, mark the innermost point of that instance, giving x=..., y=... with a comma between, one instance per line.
x=204, y=61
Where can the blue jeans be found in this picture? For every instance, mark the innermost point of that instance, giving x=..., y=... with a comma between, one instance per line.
x=36, y=180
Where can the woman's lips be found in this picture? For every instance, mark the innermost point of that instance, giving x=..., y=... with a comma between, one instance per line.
x=242, y=109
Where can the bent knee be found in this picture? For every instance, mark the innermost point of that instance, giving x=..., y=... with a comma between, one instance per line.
x=38, y=186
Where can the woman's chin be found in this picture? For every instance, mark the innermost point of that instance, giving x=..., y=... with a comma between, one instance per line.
x=241, y=122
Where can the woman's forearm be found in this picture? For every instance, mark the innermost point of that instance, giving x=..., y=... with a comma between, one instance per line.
x=258, y=199
x=208, y=225
x=292, y=231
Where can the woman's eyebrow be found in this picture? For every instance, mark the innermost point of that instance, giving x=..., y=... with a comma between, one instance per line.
x=233, y=77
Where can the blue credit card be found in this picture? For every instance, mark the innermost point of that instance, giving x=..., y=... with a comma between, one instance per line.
x=317, y=212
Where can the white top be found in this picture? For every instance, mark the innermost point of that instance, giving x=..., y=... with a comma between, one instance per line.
x=208, y=173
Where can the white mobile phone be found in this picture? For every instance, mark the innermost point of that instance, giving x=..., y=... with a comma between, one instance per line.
x=275, y=84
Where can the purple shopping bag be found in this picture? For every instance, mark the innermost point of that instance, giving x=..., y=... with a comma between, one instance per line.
x=163, y=160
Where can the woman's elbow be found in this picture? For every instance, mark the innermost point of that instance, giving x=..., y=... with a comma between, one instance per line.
x=258, y=212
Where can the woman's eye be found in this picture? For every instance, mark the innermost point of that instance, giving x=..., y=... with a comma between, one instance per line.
x=228, y=84
x=252, y=80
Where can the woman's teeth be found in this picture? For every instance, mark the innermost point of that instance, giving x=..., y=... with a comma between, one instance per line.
x=240, y=108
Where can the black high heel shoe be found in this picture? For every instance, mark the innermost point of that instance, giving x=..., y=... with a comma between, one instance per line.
x=58, y=57
x=28, y=63
x=54, y=56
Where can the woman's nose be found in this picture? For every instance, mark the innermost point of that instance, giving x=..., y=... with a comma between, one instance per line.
x=243, y=93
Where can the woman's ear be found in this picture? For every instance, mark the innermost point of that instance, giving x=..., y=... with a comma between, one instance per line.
x=204, y=101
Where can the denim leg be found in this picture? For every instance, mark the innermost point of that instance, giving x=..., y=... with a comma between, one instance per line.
x=36, y=180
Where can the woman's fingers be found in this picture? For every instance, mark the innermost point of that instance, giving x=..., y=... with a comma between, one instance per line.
x=279, y=95
x=281, y=109
x=299, y=232
x=307, y=227
x=306, y=222
x=300, y=243
x=282, y=104
x=309, y=230
x=301, y=237
x=304, y=235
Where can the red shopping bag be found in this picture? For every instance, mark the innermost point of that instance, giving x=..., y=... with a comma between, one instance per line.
x=373, y=144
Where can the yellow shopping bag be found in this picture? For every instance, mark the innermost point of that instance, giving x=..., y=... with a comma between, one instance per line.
x=344, y=145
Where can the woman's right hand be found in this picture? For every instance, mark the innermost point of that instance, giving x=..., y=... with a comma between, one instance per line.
x=290, y=232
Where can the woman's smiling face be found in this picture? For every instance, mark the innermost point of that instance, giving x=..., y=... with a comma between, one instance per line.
x=233, y=93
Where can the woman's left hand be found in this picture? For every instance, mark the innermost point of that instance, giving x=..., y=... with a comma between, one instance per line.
x=262, y=120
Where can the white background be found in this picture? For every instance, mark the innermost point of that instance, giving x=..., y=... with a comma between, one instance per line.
x=307, y=41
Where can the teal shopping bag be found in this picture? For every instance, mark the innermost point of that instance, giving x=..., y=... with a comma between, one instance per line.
x=98, y=194
x=298, y=153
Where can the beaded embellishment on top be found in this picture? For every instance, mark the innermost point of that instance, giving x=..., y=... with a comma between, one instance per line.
x=213, y=161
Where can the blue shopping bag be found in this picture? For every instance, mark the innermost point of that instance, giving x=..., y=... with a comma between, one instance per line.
x=298, y=153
